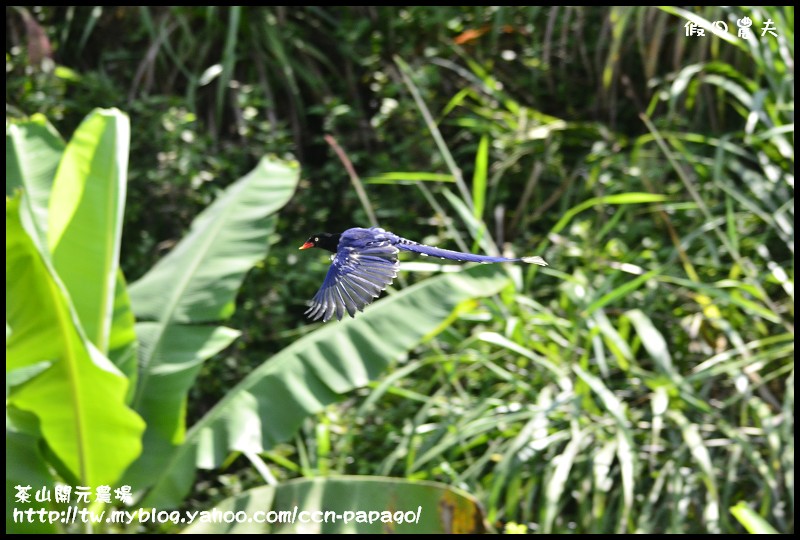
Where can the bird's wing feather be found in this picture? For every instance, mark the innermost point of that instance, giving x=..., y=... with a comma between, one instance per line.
x=365, y=264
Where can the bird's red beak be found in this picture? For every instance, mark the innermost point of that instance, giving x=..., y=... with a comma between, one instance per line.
x=307, y=245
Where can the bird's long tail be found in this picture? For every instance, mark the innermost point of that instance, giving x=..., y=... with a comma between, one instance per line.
x=408, y=245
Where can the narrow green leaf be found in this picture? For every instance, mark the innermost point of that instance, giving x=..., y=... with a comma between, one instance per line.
x=409, y=177
x=750, y=520
x=723, y=294
x=610, y=401
x=625, y=445
x=502, y=341
x=229, y=56
x=653, y=341
x=623, y=198
x=480, y=177
x=447, y=156
x=475, y=226
x=557, y=484
x=602, y=462
x=611, y=337
x=697, y=447
x=457, y=100
x=85, y=218
x=623, y=290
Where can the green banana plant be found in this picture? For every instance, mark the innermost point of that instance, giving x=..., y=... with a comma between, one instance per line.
x=99, y=371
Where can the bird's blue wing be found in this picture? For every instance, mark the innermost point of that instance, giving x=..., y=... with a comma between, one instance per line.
x=364, y=265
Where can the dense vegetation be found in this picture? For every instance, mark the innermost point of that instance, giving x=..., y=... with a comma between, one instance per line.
x=644, y=381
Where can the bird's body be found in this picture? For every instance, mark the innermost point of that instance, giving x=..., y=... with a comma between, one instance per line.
x=365, y=263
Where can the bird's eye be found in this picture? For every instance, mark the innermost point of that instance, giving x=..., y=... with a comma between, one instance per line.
x=316, y=239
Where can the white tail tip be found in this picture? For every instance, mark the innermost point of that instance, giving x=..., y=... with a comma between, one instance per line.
x=534, y=260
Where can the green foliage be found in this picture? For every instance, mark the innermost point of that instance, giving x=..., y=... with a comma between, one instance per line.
x=60, y=354
x=268, y=406
x=178, y=302
x=754, y=523
x=68, y=312
x=57, y=365
x=63, y=384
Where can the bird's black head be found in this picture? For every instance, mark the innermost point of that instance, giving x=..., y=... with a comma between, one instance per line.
x=326, y=241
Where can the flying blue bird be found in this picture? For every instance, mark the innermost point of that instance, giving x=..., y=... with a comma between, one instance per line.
x=365, y=263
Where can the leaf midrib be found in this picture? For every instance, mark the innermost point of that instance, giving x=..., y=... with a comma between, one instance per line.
x=215, y=227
